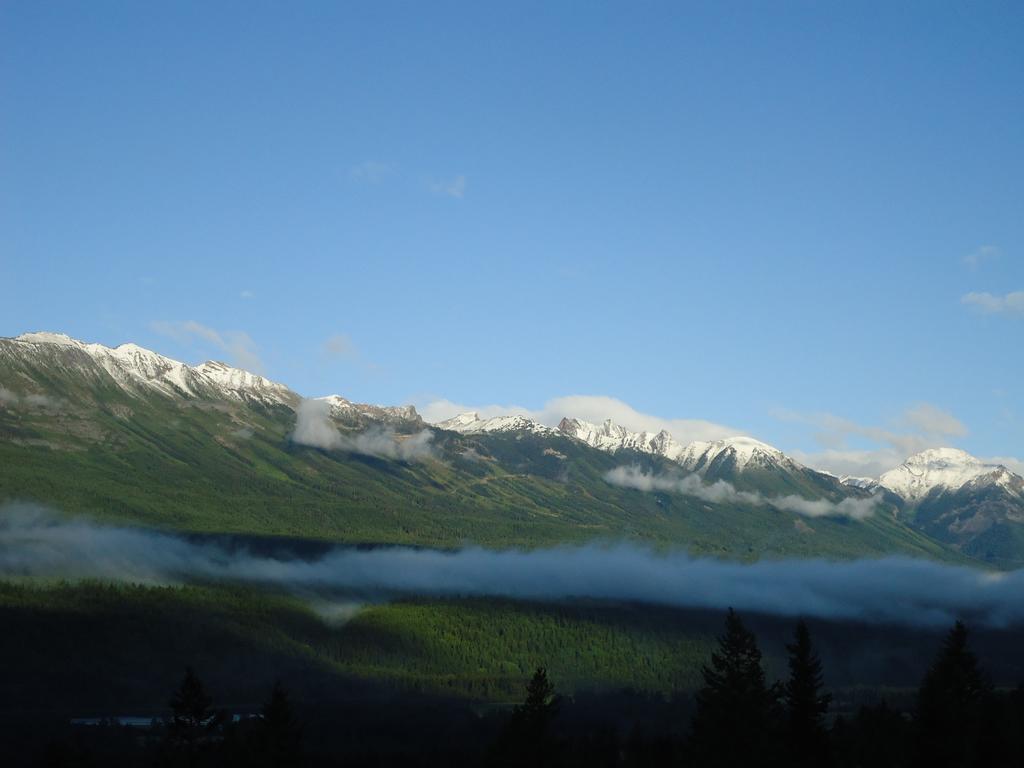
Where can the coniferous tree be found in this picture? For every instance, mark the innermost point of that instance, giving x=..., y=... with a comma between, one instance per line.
x=736, y=709
x=951, y=706
x=193, y=725
x=527, y=739
x=540, y=703
x=279, y=731
x=806, y=704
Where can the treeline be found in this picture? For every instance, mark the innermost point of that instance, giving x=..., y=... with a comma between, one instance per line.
x=736, y=718
x=960, y=719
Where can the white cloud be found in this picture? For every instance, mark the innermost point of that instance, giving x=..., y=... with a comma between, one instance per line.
x=980, y=255
x=9, y=399
x=340, y=346
x=1011, y=463
x=314, y=427
x=856, y=463
x=722, y=492
x=385, y=444
x=452, y=188
x=373, y=172
x=247, y=294
x=238, y=345
x=919, y=427
x=595, y=408
x=930, y=420
x=993, y=304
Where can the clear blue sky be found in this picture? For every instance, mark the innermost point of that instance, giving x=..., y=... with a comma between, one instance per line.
x=753, y=213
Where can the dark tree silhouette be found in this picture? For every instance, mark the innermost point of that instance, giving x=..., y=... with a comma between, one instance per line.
x=951, y=707
x=540, y=703
x=279, y=732
x=806, y=704
x=528, y=738
x=193, y=726
x=736, y=710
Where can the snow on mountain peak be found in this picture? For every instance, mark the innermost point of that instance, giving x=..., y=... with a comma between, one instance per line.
x=743, y=451
x=239, y=382
x=472, y=423
x=46, y=337
x=949, y=468
x=609, y=436
x=866, y=483
x=134, y=368
x=340, y=406
x=696, y=456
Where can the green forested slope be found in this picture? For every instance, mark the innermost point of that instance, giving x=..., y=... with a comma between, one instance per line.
x=71, y=438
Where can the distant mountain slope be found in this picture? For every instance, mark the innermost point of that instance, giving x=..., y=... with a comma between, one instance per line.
x=125, y=434
x=473, y=424
x=976, y=507
x=745, y=463
x=135, y=370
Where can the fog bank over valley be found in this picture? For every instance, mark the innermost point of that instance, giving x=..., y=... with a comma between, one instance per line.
x=37, y=543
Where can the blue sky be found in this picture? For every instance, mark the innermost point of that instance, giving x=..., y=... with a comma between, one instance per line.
x=799, y=220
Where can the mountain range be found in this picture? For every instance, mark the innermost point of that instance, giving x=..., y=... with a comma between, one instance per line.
x=130, y=435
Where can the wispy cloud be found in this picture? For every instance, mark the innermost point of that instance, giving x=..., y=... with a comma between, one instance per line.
x=455, y=187
x=896, y=590
x=340, y=346
x=12, y=400
x=247, y=294
x=237, y=345
x=314, y=428
x=595, y=408
x=994, y=304
x=917, y=428
x=929, y=420
x=1010, y=462
x=373, y=172
x=980, y=255
x=722, y=492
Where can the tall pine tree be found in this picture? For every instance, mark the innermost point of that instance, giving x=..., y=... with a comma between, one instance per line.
x=806, y=704
x=279, y=732
x=194, y=727
x=528, y=739
x=736, y=710
x=951, y=706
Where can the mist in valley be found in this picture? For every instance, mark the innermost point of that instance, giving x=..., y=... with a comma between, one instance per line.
x=36, y=543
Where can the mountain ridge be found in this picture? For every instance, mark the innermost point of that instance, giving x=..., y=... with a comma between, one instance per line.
x=132, y=365
x=92, y=424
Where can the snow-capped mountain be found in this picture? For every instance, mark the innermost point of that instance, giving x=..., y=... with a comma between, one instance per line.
x=60, y=393
x=612, y=437
x=733, y=453
x=740, y=452
x=855, y=481
x=346, y=409
x=471, y=423
x=975, y=506
x=943, y=470
x=33, y=362
x=137, y=370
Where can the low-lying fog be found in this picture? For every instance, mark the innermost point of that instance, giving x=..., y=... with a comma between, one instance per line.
x=36, y=543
